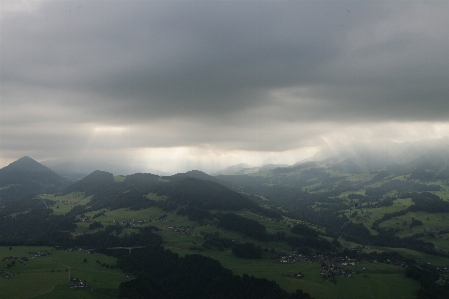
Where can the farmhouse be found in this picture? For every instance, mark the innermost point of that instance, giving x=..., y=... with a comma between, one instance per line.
x=76, y=283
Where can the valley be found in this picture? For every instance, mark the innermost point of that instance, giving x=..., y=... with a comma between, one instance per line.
x=346, y=234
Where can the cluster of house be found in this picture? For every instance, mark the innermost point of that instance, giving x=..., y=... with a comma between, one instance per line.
x=294, y=275
x=23, y=259
x=297, y=257
x=334, y=266
x=333, y=270
x=345, y=266
x=76, y=283
x=6, y=274
x=81, y=249
x=132, y=222
x=441, y=281
x=183, y=230
x=40, y=253
x=67, y=202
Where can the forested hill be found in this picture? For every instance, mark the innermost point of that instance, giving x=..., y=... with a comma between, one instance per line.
x=206, y=195
x=196, y=174
x=181, y=190
x=26, y=176
x=94, y=182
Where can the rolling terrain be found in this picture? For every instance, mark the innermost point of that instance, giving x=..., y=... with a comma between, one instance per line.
x=329, y=228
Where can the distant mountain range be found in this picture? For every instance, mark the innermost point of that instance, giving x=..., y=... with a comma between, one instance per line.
x=365, y=157
x=75, y=170
x=424, y=159
x=362, y=157
x=26, y=176
x=244, y=168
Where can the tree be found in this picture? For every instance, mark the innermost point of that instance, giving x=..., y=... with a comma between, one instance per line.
x=247, y=250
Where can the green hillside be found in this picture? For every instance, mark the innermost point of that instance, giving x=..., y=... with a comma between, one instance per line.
x=347, y=234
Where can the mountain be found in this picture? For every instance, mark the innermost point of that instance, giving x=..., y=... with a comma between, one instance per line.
x=233, y=169
x=196, y=174
x=244, y=168
x=94, y=182
x=267, y=167
x=78, y=169
x=367, y=157
x=26, y=176
x=206, y=195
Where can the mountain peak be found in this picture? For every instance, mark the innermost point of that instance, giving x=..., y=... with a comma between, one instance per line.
x=27, y=176
x=26, y=164
x=196, y=174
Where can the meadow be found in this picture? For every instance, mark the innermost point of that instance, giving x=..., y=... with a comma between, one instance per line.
x=65, y=203
x=376, y=281
x=48, y=276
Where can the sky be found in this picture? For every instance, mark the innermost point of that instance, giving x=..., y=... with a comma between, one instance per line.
x=181, y=85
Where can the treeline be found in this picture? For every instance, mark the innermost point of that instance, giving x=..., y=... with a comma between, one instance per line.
x=247, y=251
x=401, y=186
x=194, y=197
x=245, y=226
x=38, y=226
x=309, y=239
x=12, y=206
x=427, y=277
x=304, y=230
x=163, y=274
x=214, y=240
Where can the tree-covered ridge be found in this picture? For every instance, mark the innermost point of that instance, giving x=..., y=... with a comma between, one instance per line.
x=195, y=195
x=26, y=176
x=97, y=181
x=165, y=275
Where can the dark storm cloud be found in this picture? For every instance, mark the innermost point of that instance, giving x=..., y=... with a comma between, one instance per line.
x=236, y=75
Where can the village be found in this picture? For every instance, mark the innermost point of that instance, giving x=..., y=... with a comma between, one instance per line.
x=346, y=267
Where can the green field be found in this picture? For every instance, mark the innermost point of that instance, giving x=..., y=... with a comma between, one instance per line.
x=119, y=178
x=367, y=216
x=65, y=203
x=48, y=276
x=423, y=257
x=376, y=281
x=432, y=224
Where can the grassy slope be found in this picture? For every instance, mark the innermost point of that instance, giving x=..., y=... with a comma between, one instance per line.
x=64, y=203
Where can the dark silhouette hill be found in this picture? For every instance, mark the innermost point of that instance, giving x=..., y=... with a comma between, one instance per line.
x=196, y=174
x=206, y=195
x=191, y=189
x=97, y=181
x=26, y=176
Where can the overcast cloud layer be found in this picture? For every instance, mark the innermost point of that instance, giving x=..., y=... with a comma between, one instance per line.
x=176, y=85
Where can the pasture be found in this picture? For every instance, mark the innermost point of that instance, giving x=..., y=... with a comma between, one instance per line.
x=370, y=215
x=65, y=203
x=48, y=276
x=376, y=281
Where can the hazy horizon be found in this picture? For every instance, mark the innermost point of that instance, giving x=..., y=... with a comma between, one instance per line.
x=176, y=86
